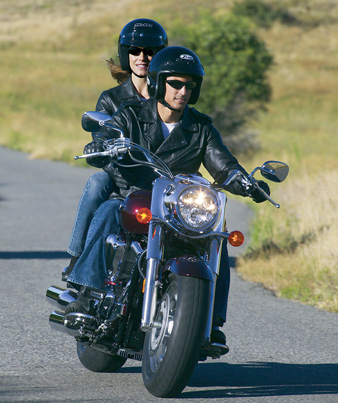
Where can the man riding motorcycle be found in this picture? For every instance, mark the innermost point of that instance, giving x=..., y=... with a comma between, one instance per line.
x=184, y=139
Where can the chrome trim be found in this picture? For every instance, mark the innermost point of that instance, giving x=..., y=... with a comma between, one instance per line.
x=150, y=295
x=115, y=241
x=154, y=248
x=154, y=256
x=213, y=262
x=160, y=220
x=137, y=248
x=60, y=297
x=56, y=323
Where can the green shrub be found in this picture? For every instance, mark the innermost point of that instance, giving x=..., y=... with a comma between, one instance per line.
x=236, y=63
x=263, y=14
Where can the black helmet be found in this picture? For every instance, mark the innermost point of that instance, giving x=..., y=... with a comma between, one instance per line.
x=140, y=33
x=174, y=60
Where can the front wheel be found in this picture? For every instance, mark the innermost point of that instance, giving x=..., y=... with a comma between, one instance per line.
x=172, y=347
x=98, y=361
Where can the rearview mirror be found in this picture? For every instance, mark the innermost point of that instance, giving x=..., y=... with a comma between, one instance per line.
x=93, y=121
x=275, y=171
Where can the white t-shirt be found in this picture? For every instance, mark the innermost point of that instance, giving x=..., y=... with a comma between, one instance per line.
x=167, y=128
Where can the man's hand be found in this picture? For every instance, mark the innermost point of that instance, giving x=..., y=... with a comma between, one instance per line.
x=96, y=147
x=257, y=195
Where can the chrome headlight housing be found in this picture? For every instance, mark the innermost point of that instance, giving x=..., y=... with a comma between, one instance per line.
x=197, y=208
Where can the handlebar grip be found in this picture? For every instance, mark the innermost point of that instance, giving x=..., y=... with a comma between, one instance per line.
x=93, y=155
x=263, y=192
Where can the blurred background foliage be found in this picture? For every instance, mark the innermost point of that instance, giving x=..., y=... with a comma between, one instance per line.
x=236, y=86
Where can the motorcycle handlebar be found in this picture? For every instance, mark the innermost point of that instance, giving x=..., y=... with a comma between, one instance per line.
x=119, y=148
x=266, y=195
x=122, y=145
x=249, y=181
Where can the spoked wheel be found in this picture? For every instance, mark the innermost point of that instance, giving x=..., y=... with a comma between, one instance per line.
x=172, y=347
x=97, y=361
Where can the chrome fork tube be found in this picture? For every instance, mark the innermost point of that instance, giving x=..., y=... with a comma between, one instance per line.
x=214, y=262
x=154, y=256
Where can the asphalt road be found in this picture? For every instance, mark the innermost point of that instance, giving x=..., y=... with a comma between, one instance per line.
x=280, y=351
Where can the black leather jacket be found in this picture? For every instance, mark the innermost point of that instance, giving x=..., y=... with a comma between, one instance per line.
x=192, y=142
x=110, y=100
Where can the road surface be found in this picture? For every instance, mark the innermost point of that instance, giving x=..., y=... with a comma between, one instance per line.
x=280, y=351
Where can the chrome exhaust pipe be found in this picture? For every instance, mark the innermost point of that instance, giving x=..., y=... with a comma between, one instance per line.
x=74, y=323
x=60, y=297
x=56, y=321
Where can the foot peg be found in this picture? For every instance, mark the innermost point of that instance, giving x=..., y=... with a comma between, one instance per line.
x=213, y=350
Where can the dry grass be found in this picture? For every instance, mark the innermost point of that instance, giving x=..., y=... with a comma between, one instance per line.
x=27, y=21
x=295, y=252
x=295, y=248
x=53, y=56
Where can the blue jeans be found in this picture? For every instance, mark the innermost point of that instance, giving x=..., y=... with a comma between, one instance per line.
x=97, y=190
x=91, y=271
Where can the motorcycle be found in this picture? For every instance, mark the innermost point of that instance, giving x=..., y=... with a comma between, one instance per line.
x=157, y=305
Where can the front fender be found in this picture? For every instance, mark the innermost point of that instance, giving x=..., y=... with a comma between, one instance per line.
x=188, y=266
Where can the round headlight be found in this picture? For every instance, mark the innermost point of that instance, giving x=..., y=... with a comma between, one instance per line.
x=197, y=208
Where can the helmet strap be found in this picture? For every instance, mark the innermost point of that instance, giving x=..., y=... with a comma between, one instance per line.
x=138, y=75
x=165, y=103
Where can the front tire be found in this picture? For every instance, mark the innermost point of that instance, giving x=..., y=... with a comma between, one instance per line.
x=97, y=361
x=172, y=347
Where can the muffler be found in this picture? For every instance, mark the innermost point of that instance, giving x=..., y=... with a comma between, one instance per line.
x=60, y=297
x=74, y=323
x=56, y=322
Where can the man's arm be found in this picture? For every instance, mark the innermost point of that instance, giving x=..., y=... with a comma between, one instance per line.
x=218, y=159
x=221, y=163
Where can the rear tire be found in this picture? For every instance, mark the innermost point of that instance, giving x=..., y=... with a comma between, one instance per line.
x=172, y=348
x=97, y=361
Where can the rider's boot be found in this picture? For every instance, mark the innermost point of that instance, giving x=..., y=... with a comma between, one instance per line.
x=217, y=336
x=83, y=304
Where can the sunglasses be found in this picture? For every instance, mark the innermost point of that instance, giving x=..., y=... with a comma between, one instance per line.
x=178, y=85
x=137, y=51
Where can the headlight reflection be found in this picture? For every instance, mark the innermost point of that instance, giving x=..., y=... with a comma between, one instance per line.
x=197, y=208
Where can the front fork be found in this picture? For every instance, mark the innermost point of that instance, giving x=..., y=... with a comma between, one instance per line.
x=154, y=257
x=214, y=264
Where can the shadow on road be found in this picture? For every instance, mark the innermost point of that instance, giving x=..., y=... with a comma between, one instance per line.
x=35, y=255
x=56, y=254
x=255, y=379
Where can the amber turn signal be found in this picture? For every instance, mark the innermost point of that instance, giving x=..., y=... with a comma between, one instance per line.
x=236, y=238
x=143, y=215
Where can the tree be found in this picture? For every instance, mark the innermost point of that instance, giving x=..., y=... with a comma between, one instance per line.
x=236, y=63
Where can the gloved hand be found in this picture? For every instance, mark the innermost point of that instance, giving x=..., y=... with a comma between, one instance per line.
x=257, y=195
x=96, y=147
